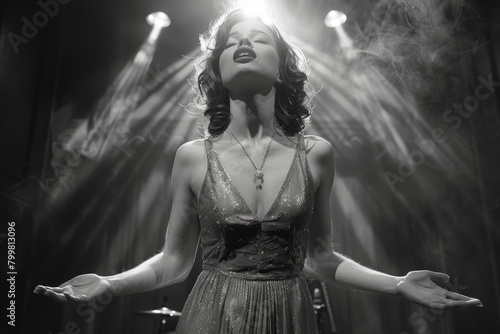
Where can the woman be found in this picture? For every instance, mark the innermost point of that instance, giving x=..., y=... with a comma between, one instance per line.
x=265, y=225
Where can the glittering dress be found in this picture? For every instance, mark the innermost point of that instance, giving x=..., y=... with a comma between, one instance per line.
x=252, y=281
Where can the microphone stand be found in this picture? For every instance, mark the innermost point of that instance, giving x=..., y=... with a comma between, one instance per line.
x=321, y=304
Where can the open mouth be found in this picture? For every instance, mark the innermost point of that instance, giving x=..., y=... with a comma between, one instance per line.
x=244, y=54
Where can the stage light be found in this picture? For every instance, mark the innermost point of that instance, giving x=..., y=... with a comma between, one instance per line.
x=335, y=19
x=158, y=20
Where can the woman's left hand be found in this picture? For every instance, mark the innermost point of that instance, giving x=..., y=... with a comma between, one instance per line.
x=418, y=286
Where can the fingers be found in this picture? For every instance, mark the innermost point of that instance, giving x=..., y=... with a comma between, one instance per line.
x=437, y=306
x=457, y=296
x=40, y=289
x=474, y=302
x=449, y=304
x=43, y=290
x=50, y=292
x=56, y=296
x=59, y=294
x=468, y=301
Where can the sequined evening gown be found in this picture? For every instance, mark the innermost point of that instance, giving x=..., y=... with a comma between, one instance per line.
x=252, y=280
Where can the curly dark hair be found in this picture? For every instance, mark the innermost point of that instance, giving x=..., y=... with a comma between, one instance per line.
x=292, y=107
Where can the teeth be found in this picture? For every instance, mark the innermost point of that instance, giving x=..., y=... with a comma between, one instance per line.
x=244, y=53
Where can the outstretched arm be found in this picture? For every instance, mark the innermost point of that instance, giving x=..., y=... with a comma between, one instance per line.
x=324, y=264
x=171, y=265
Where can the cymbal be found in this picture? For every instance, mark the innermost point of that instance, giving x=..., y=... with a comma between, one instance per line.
x=161, y=311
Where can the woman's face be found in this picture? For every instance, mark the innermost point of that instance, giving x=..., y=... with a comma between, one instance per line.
x=250, y=60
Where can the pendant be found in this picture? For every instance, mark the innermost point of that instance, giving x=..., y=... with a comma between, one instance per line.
x=258, y=179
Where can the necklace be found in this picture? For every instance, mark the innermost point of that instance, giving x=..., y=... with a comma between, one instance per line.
x=258, y=177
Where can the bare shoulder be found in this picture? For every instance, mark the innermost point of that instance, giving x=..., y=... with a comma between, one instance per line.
x=191, y=163
x=318, y=148
x=188, y=158
x=191, y=152
x=320, y=157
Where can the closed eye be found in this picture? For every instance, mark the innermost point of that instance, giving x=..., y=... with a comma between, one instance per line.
x=261, y=37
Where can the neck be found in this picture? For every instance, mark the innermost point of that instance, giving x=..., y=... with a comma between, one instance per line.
x=252, y=118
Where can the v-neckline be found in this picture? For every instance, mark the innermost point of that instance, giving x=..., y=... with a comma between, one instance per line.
x=279, y=192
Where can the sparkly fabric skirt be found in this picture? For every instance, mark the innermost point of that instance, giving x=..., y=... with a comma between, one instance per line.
x=225, y=303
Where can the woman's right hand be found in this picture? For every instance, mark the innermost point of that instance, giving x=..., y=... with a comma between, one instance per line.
x=79, y=289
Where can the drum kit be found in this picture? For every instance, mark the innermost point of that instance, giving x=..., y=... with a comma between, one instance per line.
x=168, y=318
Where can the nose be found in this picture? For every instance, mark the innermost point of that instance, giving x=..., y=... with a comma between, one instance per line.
x=244, y=41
